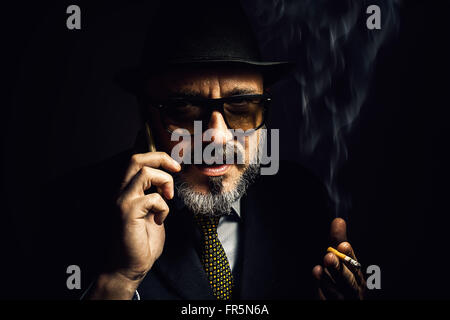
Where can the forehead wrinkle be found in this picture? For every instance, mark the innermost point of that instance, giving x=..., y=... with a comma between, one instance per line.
x=201, y=85
x=214, y=84
x=238, y=85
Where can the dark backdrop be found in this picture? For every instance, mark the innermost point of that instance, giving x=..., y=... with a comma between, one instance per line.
x=61, y=111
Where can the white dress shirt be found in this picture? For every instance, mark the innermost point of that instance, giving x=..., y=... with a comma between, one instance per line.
x=228, y=232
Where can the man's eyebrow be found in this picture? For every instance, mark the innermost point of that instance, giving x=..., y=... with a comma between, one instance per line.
x=188, y=93
x=185, y=93
x=237, y=91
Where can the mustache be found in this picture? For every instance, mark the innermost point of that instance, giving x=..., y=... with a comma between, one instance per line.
x=227, y=153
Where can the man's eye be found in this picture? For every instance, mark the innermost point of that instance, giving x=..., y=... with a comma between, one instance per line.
x=238, y=108
x=183, y=111
x=179, y=104
x=245, y=101
x=240, y=102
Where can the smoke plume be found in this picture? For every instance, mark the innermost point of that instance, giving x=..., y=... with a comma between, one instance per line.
x=335, y=55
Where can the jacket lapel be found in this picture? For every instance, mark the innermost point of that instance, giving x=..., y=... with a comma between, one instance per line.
x=180, y=269
x=258, y=253
x=179, y=264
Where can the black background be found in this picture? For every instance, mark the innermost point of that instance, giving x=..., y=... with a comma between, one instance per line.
x=61, y=111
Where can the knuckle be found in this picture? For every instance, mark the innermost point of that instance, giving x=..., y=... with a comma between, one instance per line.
x=317, y=272
x=135, y=159
x=164, y=156
x=169, y=178
x=329, y=259
x=119, y=201
x=157, y=199
x=345, y=247
x=123, y=205
x=146, y=171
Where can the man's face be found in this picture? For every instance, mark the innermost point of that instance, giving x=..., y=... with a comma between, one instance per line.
x=210, y=84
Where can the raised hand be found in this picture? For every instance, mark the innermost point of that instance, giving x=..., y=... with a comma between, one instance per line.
x=337, y=279
x=142, y=235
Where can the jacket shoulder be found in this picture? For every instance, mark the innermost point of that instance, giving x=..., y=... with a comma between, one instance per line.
x=296, y=195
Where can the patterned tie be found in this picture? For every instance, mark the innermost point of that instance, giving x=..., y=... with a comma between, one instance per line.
x=214, y=259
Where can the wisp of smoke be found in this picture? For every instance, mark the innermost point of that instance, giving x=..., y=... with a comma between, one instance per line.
x=335, y=54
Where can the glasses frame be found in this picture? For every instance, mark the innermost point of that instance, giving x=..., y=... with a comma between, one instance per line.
x=216, y=105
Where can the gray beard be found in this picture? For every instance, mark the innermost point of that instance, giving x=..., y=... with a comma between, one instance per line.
x=215, y=202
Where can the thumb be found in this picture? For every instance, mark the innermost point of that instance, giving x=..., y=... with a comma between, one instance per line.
x=338, y=231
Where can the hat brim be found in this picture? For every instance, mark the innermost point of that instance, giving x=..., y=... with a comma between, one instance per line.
x=132, y=80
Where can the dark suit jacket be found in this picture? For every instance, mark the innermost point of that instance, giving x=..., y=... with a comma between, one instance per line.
x=284, y=233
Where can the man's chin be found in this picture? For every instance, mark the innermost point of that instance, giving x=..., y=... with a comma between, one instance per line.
x=213, y=195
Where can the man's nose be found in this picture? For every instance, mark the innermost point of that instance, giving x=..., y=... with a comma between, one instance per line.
x=219, y=133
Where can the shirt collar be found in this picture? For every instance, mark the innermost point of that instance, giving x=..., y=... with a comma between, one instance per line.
x=236, y=206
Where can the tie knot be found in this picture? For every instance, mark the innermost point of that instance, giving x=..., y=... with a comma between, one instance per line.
x=208, y=225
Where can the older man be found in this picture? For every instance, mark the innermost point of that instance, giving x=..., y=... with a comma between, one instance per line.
x=215, y=230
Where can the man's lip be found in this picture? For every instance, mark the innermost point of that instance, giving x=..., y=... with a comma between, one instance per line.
x=213, y=170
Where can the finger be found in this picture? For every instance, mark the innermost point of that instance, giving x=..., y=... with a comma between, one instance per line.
x=338, y=231
x=148, y=205
x=346, y=248
x=343, y=277
x=333, y=266
x=150, y=159
x=317, y=274
x=326, y=287
x=145, y=178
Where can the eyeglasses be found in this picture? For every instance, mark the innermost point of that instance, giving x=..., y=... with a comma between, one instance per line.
x=246, y=112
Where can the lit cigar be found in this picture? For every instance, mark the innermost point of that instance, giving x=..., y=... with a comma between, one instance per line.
x=344, y=257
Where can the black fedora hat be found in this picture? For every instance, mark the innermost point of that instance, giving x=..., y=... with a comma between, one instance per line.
x=200, y=33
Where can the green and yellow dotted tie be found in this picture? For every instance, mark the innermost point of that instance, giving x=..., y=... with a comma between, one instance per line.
x=214, y=259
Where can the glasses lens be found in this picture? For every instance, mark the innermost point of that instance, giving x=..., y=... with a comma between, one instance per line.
x=182, y=114
x=240, y=113
x=244, y=113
